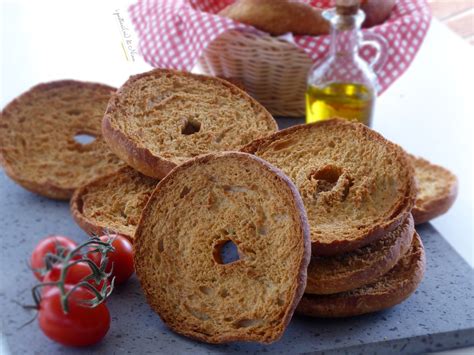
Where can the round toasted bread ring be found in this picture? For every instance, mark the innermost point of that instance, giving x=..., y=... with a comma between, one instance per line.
x=100, y=215
x=433, y=205
x=50, y=184
x=139, y=155
x=334, y=242
x=154, y=258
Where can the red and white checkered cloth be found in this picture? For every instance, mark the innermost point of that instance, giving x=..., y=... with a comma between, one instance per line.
x=174, y=33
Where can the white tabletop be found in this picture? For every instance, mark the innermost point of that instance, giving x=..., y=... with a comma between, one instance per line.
x=429, y=111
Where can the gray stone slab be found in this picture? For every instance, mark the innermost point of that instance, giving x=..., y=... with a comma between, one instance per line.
x=438, y=316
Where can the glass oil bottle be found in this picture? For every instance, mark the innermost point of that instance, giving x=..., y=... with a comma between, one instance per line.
x=345, y=85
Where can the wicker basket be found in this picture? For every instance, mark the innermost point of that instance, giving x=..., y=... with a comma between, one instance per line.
x=174, y=34
x=273, y=71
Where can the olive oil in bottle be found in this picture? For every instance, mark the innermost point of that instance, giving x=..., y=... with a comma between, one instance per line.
x=344, y=85
x=351, y=101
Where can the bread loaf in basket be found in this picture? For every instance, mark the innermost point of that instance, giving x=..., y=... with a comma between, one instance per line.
x=190, y=33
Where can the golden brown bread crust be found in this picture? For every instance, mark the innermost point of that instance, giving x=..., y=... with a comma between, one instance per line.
x=112, y=203
x=278, y=17
x=139, y=156
x=438, y=189
x=272, y=331
x=400, y=210
x=234, y=81
x=391, y=289
x=52, y=184
x=75, y=207
x=328, y=275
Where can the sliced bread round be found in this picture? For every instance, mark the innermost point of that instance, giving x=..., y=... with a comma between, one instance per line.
x=161, y=118
x=356, y=185
x=38, y=137
x=204, y=207
x=112, y=203
x=334, y=274
x=391, y=289
x=437, y=190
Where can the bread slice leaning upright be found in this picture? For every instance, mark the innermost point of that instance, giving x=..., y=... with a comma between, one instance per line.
x=355, y=184
x=437, y=190
x=203, y=208
x=162, y=118
x=112, y=203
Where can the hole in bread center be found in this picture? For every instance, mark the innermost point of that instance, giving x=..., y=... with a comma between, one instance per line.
x=325, y=177
x=190, y=126
x=226, y=252
x=84, y=138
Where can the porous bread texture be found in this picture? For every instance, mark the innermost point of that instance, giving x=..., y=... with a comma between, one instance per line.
x=162, y=118
x=112, y=203
x=201, y=205
x=355, y=184
x=437, y=190
x=37, y=130
x=389, y=290
x=334, y=274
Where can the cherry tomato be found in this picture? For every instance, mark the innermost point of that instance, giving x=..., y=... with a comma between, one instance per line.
x=81, y=326
x=94, y=256
x=121, y=260
x=74, y=274
x=45, y=246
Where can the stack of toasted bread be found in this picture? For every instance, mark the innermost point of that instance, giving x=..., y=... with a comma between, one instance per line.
x=358, y=190
x=321, y=217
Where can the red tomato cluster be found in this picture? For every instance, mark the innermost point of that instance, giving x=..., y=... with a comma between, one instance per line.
x=81, y=325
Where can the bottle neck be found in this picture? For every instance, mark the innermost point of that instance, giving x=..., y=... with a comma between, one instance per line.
x=344, y=42
x=345, y=32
